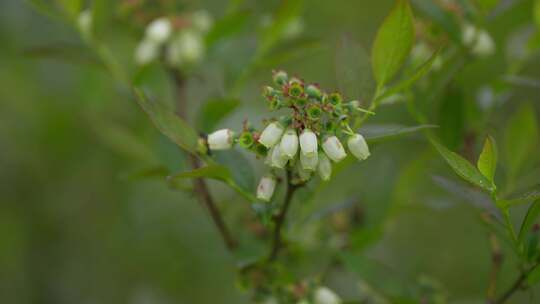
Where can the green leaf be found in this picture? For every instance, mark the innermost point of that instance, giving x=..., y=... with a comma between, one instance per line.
x=529, y=220
x=168, y=123
x=227, y=26
x=393, y=43
x=520, y=138
x=487, y=162
x=217, y=172
x=441, y=17
x=534, y=276
x=463, y=168
x=239, y=166
x=72, y=53
x=213, y=111
x=523, y=198
x=406, y=83
x=377, y=133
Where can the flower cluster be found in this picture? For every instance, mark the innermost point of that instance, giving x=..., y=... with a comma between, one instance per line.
x=182, y=39
x=305, y=141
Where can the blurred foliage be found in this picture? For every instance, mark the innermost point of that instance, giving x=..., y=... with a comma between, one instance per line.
x=96, y=207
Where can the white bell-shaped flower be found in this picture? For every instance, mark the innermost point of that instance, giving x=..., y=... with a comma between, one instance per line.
x=308, y=142
x=334, y=149
x=220, y=139
x=309, y=162
x=289, y=144
x=159, y=30
x=146, y=52
x=278, y=160
x=484, y=45
x=271, y=134
x=186, y=48
x=266, y=188
x=324, y=295
x=358, y=146
x=325, y=167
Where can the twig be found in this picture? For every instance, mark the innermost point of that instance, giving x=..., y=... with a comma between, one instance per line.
x=199, y=184
x=280, y=218
x=496, y=263
x=518, y=283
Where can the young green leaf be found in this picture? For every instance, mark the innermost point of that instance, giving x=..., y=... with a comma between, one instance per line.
x=463, y=168
x=168, y=123
x=529, y=220
x=520, y=138
x=523, y=198
x=217, y=172
x=393, y=43
x=487, y=162
x=406, y=83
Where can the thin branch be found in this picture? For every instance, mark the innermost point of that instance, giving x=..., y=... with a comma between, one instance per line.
x=280, y=218
x=496, y=263
x=199, y=184
x=517, y=285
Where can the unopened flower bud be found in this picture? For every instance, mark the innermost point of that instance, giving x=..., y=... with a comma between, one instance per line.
x=325, y=167
x=220, y=139
x=280, y=78
x=334, y=149
x=308, y=142
x=159, y=30
x=268, y=91
x=146, y=52
x=309, y=162
x=266, y=188
x=313, y=91
x=289, y=143
x=323, y=295
x=271, y=135
x=277, y=159
x=358, y=146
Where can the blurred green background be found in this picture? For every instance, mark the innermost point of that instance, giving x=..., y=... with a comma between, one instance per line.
x=84, y=220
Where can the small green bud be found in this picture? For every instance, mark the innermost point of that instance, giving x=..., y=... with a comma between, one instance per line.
x=259, y=149
x=335, y=99
x=295, y=90
x=314, y=112
x=269, y=92
x=313, y=91
x=275, y=103
x=280, y=77
x=246, y=140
